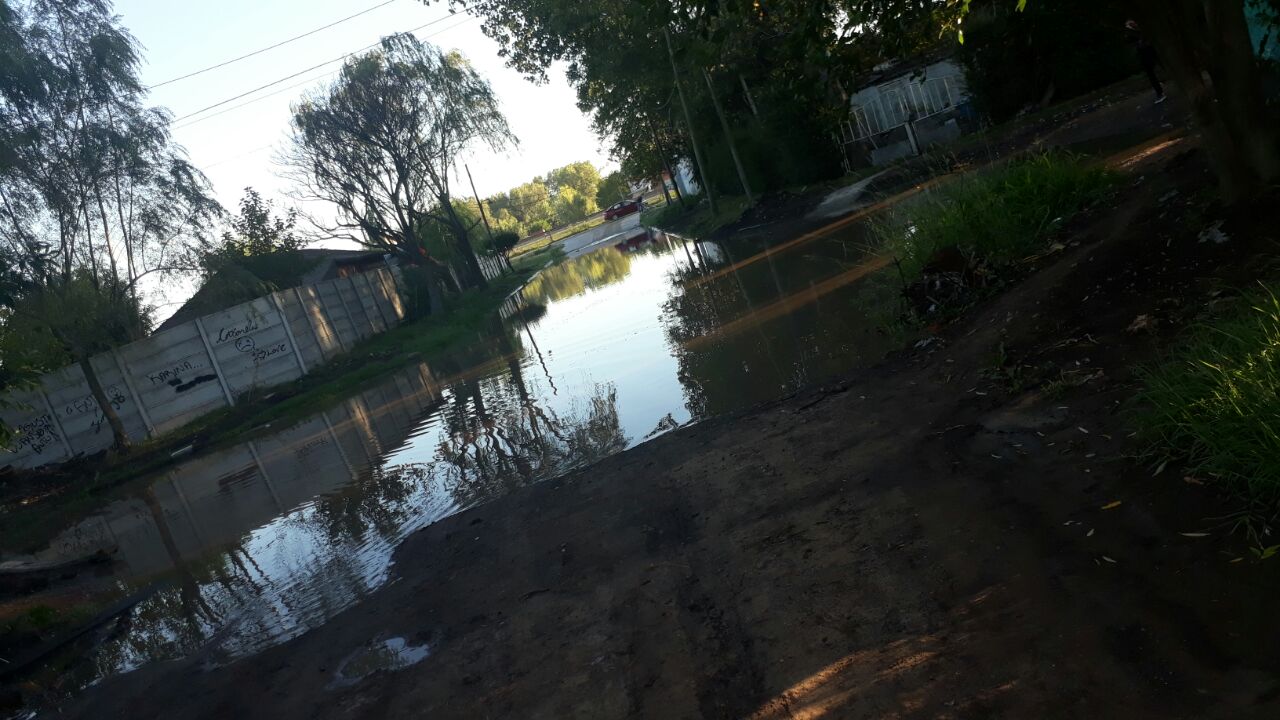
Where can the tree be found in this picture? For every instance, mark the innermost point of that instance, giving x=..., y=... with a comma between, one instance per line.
x=254, y=231
x=505, y=242
x=94, y=195
x=613, y=188
x=61, y=323
x=1199, y=40
x=1044, y=41
x=581, y=177
x=571, y=206
x=775, y=68
x=1206, y=47
x=381, y=144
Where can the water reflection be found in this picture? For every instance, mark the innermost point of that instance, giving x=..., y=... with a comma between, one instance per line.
x=577, y=275
x=258, y=543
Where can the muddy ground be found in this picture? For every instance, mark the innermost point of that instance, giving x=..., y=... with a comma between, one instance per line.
x=960, y=532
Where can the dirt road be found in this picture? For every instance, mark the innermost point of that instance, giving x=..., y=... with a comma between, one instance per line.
x=930, y=540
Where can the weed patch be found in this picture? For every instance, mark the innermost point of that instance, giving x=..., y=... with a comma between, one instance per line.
x=1215, y=402
x=994, y=217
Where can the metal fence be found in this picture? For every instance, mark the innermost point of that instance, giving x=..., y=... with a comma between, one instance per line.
x=895, y=106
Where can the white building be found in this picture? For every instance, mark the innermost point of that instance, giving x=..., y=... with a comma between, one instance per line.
x=905, y=108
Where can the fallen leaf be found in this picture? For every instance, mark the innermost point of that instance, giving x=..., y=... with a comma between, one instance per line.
x=1237, y=560
x=1194, y=534
x=1090, y=533
x=1192, y=481
x=1141, y=323
x=1086, y=432
x=1112, y=505
x=1104, y=557
x=1160, y=469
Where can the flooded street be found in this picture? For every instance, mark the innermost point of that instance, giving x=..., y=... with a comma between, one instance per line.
x=251, y=546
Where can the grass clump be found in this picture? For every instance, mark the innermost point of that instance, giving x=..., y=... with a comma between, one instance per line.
x=1215, y=403
x=695, y=220
x=997, y=216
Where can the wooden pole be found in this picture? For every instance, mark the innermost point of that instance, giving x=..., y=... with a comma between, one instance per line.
x=484, y=218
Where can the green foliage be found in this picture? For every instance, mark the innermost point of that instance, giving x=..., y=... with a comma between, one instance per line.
x=1215, y=402
x=1045, y=43
x=574, y=277
x=55, y=325
x=614, y=187
x=995, y=216
x=254, y=231
x=381, y=143
x=572, y=206
x=566, y=195
x=581, y=176
x=780, y=70
x=504, y=241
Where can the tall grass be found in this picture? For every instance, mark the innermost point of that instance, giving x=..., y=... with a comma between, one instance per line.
x=1215, y=403
x=998, y=215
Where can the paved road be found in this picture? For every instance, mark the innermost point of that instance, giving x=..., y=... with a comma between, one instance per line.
x=589, y=240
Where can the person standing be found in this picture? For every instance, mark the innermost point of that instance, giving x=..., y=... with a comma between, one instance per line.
x=1146, y=57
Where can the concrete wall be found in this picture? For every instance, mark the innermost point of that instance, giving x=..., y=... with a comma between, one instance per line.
x=173, y=377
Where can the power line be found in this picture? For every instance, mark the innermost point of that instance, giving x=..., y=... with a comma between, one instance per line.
x=301, y=72
x=271, y=47
x=295, y=85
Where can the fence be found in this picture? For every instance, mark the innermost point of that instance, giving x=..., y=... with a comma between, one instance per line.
x=902, y=102
x=173, y=377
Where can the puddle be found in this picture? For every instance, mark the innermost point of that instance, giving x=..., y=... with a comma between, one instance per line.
x=378, y=656
x=256, y=544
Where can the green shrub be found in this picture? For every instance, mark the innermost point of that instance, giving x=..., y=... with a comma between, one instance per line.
x=504, y=241
x=1215, y=403
x=995, y=216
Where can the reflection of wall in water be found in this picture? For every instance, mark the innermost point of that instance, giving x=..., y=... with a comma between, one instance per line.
x=213, y=501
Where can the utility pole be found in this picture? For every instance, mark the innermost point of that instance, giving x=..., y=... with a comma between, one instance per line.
x=485, y=219
x=488, y=230
x=688, y=121
x=728, y=136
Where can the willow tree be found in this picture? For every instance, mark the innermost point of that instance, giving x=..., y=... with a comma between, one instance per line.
x=381, y=144
x=94, y=195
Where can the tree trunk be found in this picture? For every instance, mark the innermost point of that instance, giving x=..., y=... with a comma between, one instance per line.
x=1195, y=38
x=728, y=138
x=435, y=296
x=688, y=121
x=119, y=437
x=463, y=242
x=666, y=162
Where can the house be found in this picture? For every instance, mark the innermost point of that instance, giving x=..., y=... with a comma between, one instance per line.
x=905, y=107
x=263, y=275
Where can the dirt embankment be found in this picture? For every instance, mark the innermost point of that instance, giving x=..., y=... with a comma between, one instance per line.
x=959, y=533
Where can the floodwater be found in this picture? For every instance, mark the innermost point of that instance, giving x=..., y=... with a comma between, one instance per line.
x=247, y=547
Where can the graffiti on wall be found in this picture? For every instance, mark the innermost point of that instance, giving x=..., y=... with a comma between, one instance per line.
x=250, y=346
x=87, y=404
x=36, y=434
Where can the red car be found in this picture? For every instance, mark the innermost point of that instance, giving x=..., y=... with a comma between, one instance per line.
x=622, y=209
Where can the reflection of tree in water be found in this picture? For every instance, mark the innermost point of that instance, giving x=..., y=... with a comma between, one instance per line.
x=500, y=438
x=576, y=276
x=310, y=564
x=715, y=374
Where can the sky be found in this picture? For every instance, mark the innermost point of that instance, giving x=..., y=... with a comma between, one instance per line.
x=236, y=148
